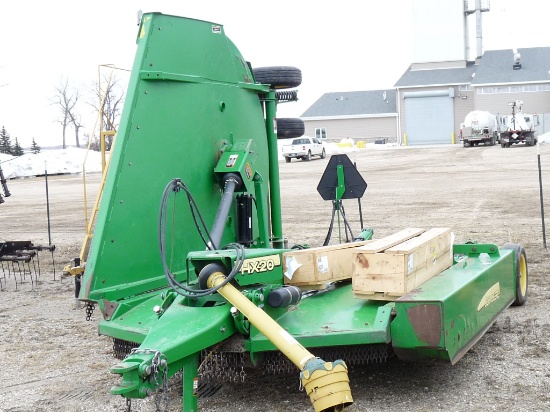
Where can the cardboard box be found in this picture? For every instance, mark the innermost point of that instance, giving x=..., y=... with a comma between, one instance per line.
x=315, y=267
x=386, y=273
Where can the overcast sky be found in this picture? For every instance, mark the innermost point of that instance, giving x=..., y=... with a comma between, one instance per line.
x=339, y=46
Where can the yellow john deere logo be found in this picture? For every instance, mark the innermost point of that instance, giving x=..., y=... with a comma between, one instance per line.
x=490, y=296
x=260, y=264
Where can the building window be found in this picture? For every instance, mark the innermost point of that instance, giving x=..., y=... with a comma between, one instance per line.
x=514, y=89
x=464, y=87
x=321, y=132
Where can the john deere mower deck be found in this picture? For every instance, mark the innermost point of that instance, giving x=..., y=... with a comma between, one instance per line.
x=189, y=265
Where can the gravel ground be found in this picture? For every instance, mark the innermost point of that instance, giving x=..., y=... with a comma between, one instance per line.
x=52, y=359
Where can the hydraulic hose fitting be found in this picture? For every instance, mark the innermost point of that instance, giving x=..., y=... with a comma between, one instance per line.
x=234, y=178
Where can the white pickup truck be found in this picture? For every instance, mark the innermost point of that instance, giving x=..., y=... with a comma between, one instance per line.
x=303, y=148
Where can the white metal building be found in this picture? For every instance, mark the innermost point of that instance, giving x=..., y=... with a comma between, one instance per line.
x=441, y=86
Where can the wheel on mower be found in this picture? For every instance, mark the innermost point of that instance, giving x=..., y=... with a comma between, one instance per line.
x=522, y=275
x=278, y=77
x=288, y=128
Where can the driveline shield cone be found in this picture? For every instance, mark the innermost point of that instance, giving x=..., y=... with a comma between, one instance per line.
x=326, y=384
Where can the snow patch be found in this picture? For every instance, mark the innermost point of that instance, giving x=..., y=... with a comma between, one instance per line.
x=62, y=161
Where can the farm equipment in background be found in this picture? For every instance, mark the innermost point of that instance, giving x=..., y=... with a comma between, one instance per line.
x=189, y=266
x=20, y=259
x=479, y=127
x=518, y=127
x=4, y=184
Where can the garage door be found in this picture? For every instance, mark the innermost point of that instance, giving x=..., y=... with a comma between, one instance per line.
x=429, y=117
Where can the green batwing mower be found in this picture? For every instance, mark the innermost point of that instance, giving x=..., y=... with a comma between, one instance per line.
x=188, y=263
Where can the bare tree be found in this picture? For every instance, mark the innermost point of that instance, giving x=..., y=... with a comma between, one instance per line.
x=66, y=98
x=75, y=120
x=110, y=96
x=92, y=142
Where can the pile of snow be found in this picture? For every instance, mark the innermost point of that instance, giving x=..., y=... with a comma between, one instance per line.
x=61, y=161
x=544, y=138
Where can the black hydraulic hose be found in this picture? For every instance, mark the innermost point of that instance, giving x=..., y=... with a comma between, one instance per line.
x=338, y=207
x=175, y=185
x=329, y=233
x=347, y=226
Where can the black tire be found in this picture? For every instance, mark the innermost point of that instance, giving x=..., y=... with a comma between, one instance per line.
x=307, y=157
x=466, y=143
x=288, y=159
x=288, y=128
x=278, y=77
x=522, y=275
x=323, y=153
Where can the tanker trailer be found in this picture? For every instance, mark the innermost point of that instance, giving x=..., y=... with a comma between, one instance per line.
x=479, y=127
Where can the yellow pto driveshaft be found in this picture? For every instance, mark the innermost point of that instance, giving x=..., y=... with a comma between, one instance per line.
x=326, y=383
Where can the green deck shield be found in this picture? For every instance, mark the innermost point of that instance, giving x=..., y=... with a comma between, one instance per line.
x=181, y=113
x=331, y=319
x=447, y=314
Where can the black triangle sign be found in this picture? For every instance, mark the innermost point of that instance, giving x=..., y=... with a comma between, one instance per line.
x=351, y=182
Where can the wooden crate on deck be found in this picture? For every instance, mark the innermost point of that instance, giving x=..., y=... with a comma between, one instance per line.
x=320, y=265
x=386, y=270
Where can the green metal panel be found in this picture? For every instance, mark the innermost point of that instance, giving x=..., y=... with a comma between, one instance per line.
x=239, y=160
x=181, y=113
x=178, y=332
x=447, y=314
x=330, y=319
x=260, y=266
